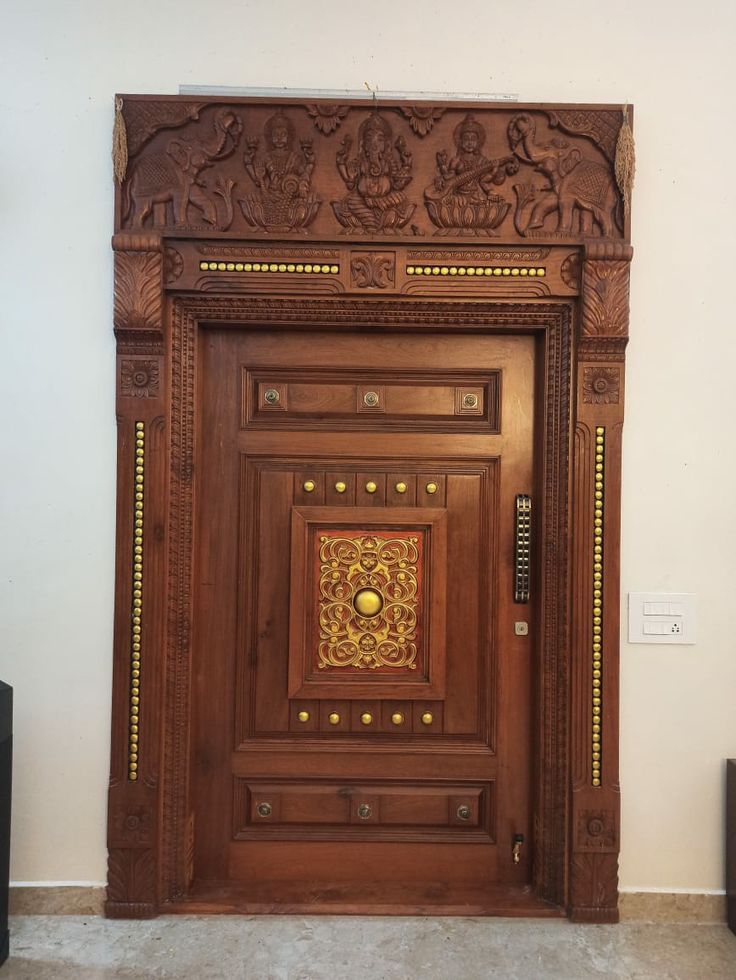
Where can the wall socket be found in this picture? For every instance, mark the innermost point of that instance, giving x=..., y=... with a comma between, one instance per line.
x=662, y=617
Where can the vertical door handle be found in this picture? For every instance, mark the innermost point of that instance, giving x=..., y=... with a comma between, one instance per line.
x=523, y=547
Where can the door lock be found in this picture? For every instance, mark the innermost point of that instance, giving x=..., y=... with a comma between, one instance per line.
x=516, y=851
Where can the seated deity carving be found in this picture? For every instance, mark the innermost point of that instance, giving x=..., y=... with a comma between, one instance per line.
x=375, y=179
x=283, y=199
x=462, y=200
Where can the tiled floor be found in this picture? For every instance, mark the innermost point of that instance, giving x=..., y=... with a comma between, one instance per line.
x=359, y=948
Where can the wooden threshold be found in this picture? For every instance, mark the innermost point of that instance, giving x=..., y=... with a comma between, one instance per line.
x=367, y=898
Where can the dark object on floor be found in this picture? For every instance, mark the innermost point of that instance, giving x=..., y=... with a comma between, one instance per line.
x=731, y=842
x=6, y=757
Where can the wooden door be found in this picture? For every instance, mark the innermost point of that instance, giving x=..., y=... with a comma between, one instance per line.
x=361, y=672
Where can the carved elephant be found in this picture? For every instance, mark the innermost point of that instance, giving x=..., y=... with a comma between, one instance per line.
x=577, y=185
x=173, y=176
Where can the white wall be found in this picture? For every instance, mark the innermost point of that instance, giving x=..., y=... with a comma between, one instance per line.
x=58, y=72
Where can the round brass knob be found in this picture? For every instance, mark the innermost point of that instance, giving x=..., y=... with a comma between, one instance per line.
x=364, y=811
x=272, y=396
x=334, y=718
x=370, y=399
x=427, y=718
x=340, y=487
x=401, y=487
x=431, y=488
x=470, y=400
x=264, y=809
x=397, y=718
x=308, y=485
x=303, y=716
x=366, y=718
x=463, y=812
x=368, y=602
x=370, y=487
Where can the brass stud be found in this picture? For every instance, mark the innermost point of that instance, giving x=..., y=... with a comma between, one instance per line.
x=340, y=486
x=303, y=716
x=401, y=487
x=431, y=488
x=397, y=718
x=427, y=718
x=366, y=718
x=308, y=486
x=371, y=487
x=334, y=718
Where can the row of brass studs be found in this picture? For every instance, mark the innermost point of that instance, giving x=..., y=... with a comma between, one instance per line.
x=598, y=526
x=137, y=607
x=367, y=718
x=475, y=270
x=309, y=485
x=270, y=267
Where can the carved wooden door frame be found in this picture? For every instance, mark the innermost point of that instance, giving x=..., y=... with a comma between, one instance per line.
x=567, y=285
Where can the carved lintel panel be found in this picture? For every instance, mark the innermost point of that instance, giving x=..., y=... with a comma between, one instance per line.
x=605, y=298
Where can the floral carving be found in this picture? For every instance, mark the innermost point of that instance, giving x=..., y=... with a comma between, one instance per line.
x=605, y=299
x=372, y=269
x=570, y=270
x=134, y=824
x=173, y=265
x=422, y=117
x=283, y=199
x=327, y=117
x=597, y=829
x=139, y=379
x=601, y=386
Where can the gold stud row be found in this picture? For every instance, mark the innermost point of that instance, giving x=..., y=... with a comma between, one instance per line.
x=298, y=267
x=397, y=718
x=309, y=486
x=476, y=270
x=598, y=527
x=137, y=604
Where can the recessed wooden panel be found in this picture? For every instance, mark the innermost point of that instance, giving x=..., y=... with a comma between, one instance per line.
x=345, y=399
x=293, y=808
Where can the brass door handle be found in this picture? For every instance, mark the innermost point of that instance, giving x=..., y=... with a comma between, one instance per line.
x=522, y=569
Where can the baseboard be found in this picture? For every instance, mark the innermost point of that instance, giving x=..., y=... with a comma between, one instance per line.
x=50, y=898
x=655, y=906
x=53, y=898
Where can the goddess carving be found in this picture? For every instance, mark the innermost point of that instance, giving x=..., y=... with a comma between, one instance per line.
x=374, y=179
x=462, y=200
x=283, y=200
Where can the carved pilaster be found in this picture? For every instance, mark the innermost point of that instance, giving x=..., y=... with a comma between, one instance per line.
x=134, y=776
x=593, y=882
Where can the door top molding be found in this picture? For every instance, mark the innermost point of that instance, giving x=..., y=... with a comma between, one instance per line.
x=309, y=170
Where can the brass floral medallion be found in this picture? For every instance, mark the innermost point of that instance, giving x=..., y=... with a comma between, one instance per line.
x=369, y=599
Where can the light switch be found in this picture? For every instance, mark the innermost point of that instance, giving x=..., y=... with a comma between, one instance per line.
x=661, y=617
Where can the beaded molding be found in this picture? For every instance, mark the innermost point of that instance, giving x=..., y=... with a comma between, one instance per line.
x=597, y=664
x=137, y=604
x=475, y=270
x=298, y=267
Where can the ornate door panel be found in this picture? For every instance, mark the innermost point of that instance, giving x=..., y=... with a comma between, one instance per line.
x=362, y=698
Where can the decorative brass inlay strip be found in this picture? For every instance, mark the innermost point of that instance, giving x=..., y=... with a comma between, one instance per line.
x=476, y=270
x=311, y=268
x=598, y=525
x=369, y=597
x=137, y=605
x=522, y=571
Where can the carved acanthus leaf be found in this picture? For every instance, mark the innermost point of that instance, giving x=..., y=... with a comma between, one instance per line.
x=422, y=117
x=138, y=291
x=131, y=875
x=605, y=299
x=327, y=117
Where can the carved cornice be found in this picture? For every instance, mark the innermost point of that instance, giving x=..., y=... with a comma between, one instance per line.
x=612, y=251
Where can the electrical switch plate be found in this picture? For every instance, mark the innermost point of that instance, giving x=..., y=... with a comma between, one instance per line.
x=661, y=617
